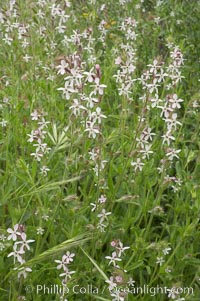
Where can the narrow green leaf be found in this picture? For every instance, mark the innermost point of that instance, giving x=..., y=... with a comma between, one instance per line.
x=95, y=264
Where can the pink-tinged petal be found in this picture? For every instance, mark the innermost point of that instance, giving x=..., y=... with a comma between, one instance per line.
x=16, y=227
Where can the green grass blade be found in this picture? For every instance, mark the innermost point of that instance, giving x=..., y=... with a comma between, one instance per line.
x=95, y=264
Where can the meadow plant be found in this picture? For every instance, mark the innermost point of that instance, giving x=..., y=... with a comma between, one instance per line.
x=99, y=137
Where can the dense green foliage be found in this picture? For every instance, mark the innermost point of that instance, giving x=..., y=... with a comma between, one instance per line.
x=91, y=168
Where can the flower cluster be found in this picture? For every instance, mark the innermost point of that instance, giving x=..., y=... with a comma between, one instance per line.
x=63, y=265
x=77, y=80
x=20, y=248
x=37, y=138
x=3, y=105
x=160, y=259
x=2, y=242
x=127, y=65
x=120, y=111
x=155, y=77
x=144, y=144
x=173, y=293
x=117, y=279
x=84, y=90
x=99, y=205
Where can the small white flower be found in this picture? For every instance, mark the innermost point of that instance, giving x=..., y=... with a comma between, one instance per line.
x=67, y=273
x=168, y=270
x=101, y=227
x=44, y=170
x=76, y=107
x=146, y=151
x=91, y=129
x=121, y=249
x=117, y=295
x=40, y=231
x=3, y=123
x=24, y=243
x=113, y=258
x=167, y=137
x=62, y=67
x=90, y=76
x=45, y=217
x=94, y=207
x=2, y=237
x=172, y=292
x=175, y=102
x=103, y=215
x=97, y=116
x=131, y=282
x=173, y=153
x=98, y=88
x=138, y=164
x=68, y=257
x=37, y=156
x=102, y=199
x=17, y=254
x=160, y=260
x=13, y=233
x=111, y=283
x=27, y=58
x=61, y=264
x=118, y=60
x=166, y=251
x=93, y=154
x=23, y=272
x=35, y=115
